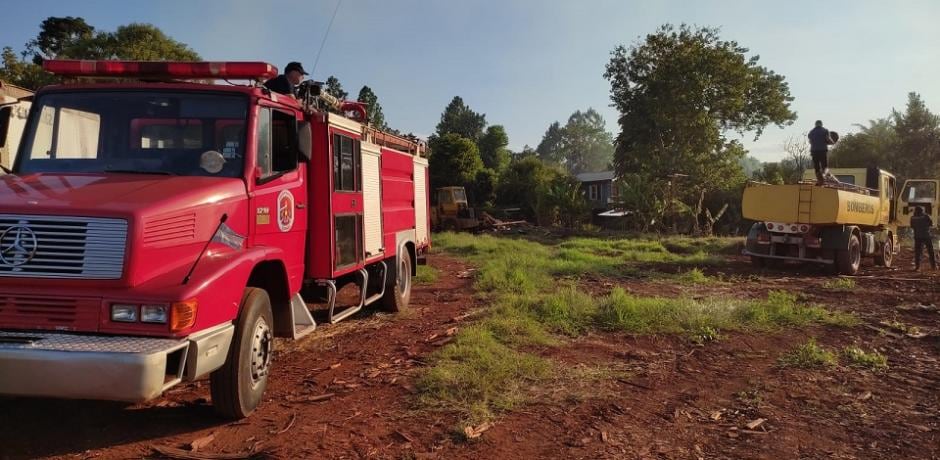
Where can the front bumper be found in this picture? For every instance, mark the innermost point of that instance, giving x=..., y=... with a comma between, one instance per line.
x=117, y=368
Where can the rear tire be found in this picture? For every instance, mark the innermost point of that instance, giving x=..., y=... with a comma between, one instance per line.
x=237, y=387
x=848, y=260
x=886, y=256
x=398, y=285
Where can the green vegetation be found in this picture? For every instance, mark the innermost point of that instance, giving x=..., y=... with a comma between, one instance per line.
x=809, y=355
x=693, y=276
x=534, y=302
x=839, y=284
x=426, y=274
x=861, y=358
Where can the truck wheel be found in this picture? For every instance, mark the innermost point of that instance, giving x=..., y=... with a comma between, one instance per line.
x=849, y=259
x=398, y=284
x=450, y=225
x=758, y=262
x=238, y=385
x=886, y=256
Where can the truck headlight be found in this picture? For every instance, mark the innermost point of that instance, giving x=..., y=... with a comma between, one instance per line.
x=154, y=313
x=123, y=313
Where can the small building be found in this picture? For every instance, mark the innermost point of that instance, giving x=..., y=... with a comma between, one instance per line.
x=600, y=190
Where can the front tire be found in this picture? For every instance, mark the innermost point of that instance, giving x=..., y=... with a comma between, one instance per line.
x=848, y=260
x=237, y=387
x=398, y=285
x=886, y=256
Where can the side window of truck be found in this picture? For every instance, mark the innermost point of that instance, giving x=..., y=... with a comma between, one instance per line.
x=346, y=164
x=276, y=150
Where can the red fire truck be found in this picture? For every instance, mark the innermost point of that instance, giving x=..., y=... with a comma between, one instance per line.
x=159, y=228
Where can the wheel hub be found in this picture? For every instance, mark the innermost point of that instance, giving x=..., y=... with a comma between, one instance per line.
x=261, y=345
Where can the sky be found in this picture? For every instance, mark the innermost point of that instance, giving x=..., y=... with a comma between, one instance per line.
x=528, y=63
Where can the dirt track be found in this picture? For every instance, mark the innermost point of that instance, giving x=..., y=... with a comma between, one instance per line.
x=673, y=400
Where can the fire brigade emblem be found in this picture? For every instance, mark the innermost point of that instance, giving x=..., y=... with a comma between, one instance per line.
x=285, y=210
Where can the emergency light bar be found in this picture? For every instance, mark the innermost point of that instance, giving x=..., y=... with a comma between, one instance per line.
x=161, y=69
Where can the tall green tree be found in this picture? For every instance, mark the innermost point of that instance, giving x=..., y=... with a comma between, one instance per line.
x=586, y=145
x=57, y=34
x=493, y=149
x=581, y=145
x=73, y=38
x=335, y=88
x=550, y=148
x=875, y=144
x=21, y=72
x=918, y=139
x=459, y=119
x=455, y=160
x=679, y=92
x=367, y=96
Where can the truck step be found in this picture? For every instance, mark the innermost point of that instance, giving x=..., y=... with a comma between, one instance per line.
x=302, y=319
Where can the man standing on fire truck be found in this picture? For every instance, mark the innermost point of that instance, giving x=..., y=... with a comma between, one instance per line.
x=288, y=81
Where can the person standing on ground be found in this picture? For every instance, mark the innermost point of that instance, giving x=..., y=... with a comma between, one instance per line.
x=819, y=142
x=287, y=82
x=921, y=223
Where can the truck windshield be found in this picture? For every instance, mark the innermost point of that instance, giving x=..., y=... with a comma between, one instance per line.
x=172, y=133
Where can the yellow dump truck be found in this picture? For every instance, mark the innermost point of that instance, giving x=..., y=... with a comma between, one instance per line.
x=835, y=224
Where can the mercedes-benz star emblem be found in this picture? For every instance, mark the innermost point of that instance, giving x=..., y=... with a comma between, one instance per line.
x=18, y=245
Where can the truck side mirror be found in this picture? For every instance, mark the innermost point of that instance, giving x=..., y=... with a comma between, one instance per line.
x=305, y=140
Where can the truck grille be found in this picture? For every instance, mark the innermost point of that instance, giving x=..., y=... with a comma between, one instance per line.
x=55, y=313
x=61, y=247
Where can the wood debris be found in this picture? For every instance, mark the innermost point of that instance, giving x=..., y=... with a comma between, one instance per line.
x=199, y=443
x=753, y=424
x=475, y=432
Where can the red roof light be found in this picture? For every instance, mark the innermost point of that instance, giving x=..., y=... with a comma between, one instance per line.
x=161, y=69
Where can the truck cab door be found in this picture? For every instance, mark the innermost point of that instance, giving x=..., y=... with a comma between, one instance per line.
x=278, y=200
x=918, y=192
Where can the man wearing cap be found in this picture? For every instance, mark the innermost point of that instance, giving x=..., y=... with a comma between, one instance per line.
x=286, y=82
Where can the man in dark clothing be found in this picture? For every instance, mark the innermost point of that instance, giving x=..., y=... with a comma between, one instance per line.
x=286, y=82
x=819, y=142
x=921, y=223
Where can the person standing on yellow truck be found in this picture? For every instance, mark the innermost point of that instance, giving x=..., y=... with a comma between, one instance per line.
x=819, y=141
x=921, y=223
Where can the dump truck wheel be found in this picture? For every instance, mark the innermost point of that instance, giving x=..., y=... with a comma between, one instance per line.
x=886, y=256
x=238, y=385
x=398, y=284
x=849, y=259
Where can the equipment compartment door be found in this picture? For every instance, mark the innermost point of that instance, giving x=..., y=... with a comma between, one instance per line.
x=348, y=249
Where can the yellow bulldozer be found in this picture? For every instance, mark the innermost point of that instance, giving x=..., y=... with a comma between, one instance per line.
x=450, y=210
x=857, y=215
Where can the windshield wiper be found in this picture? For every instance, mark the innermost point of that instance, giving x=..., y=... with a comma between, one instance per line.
x=140, y=171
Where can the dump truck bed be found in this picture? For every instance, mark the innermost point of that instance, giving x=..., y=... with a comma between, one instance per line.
x=807, y=203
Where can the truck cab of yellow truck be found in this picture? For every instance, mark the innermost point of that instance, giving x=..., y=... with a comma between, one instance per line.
x=834, y=224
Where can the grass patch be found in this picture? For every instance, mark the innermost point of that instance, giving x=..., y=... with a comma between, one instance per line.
x=839, y=284
x=809, y=355
x=869, y=360
x=534, y=302
x=426, y=274
x=703, y=319
x=478, y=375
x=693, y=276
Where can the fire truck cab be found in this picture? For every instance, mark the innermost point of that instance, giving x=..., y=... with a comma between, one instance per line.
x=161, y=228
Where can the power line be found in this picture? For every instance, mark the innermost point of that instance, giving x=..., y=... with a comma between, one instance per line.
x=325, y=35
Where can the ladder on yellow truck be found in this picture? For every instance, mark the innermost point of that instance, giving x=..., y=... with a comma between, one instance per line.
x=805, y=205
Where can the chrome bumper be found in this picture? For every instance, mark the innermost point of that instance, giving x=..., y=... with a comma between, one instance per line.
x=104, y=367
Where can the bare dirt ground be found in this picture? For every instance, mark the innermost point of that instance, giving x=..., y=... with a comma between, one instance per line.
x=666, y=397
